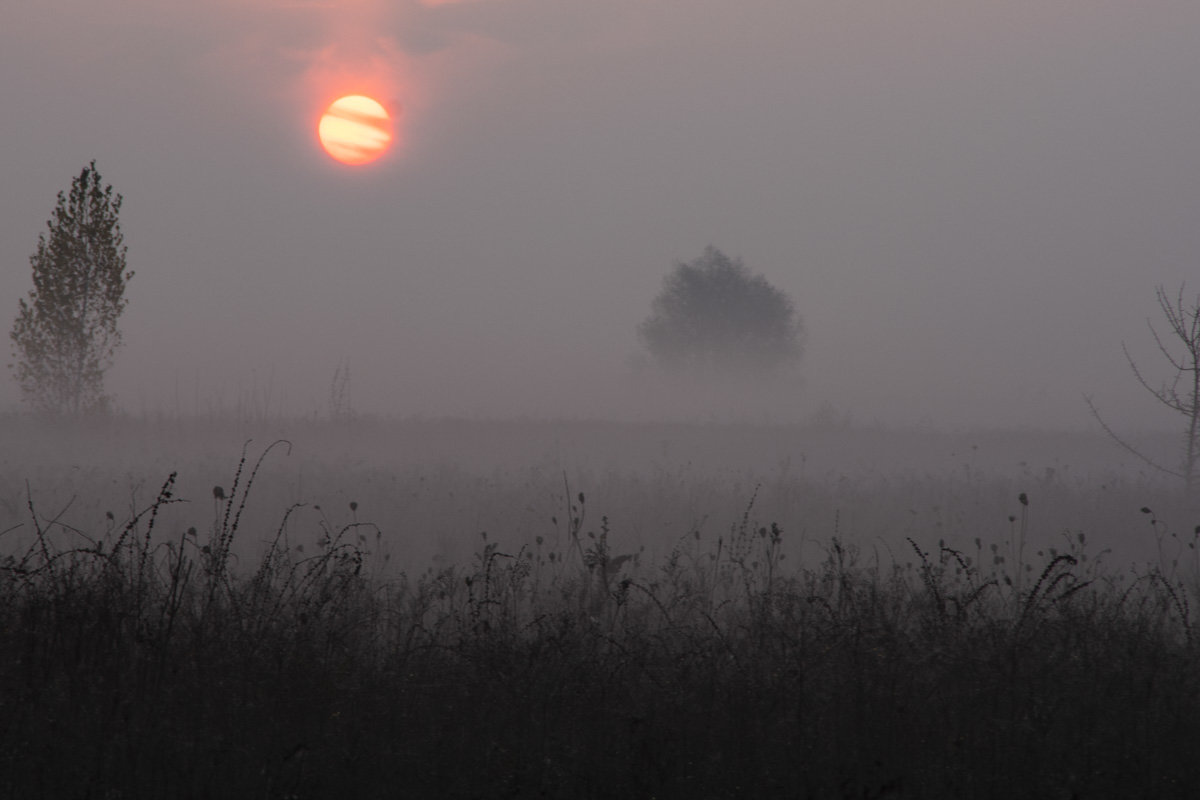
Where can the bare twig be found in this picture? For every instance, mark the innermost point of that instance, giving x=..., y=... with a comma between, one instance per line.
x=1183, y=321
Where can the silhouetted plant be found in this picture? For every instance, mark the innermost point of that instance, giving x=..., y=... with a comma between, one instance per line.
x=341, y=407
x=125, y=675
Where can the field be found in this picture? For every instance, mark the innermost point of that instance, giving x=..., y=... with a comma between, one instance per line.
x=583, y=609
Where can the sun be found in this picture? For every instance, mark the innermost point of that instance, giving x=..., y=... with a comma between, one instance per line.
x=355, y=129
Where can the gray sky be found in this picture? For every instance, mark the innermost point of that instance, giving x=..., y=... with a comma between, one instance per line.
x=970, y=202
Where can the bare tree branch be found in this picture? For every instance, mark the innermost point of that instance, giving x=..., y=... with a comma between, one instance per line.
x=1184, y=323
x=1112, y=435
x=1167, y=397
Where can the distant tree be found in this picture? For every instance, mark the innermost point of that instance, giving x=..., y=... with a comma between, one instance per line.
x=66, y=332
x=1182, y=393
x=714, y=316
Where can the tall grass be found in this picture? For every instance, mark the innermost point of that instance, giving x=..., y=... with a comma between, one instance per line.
x=143, y=661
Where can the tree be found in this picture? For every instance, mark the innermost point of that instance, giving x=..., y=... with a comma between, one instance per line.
x=1182, y=393
x=65, y=334
x=714, y=315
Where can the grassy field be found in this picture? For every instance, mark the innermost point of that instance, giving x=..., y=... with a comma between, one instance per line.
x=571, y=609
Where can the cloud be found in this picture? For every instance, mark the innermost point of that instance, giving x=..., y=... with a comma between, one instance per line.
x=304, y=53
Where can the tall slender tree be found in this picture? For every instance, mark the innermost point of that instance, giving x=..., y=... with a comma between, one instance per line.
x=65, y=334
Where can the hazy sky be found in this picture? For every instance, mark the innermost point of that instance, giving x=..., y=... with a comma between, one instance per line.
x=970, y=201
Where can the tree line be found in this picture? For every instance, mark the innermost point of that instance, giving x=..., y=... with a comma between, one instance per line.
x=712, y=317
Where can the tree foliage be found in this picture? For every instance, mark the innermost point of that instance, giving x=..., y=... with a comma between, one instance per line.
x=714, y=315
x=65, y=333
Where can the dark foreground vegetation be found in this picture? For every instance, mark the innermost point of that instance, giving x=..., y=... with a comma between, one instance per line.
x=149, y=663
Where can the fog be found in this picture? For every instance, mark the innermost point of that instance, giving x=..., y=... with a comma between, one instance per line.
x=969, y=203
